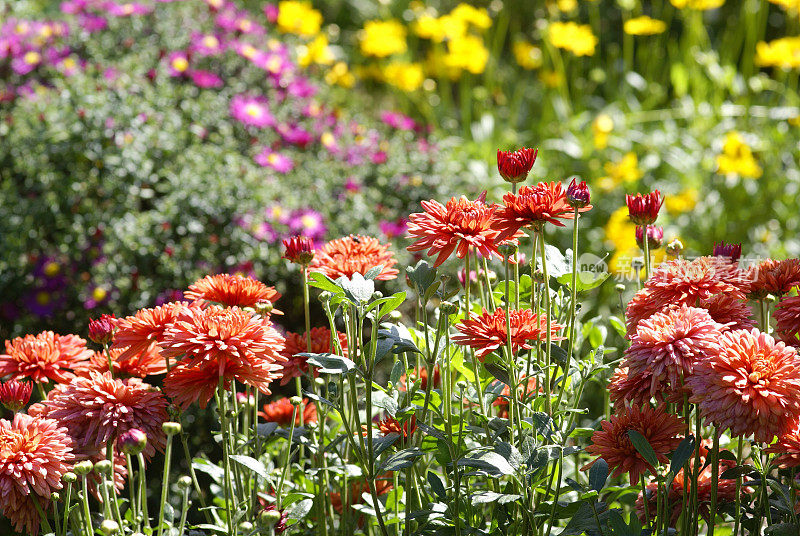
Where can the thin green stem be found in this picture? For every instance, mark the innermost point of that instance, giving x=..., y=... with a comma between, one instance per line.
x=184, y=511
x=223, y=422
x=67, y=501
x=143, y=492
x=165, y=484
x=87, y=513
x=193, y=474
x=548, y=335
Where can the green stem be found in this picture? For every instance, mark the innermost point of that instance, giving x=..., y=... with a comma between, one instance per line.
x=42, y=515
x=193, y=474
x=223, y=421
x=573, y=300
x=143, y=492
x=645, y=501
x=87, y=513
x=714, y=481
x=548, y=337
x=165, y=484
x=67, y=501
x=184, y=511
x=646, y=248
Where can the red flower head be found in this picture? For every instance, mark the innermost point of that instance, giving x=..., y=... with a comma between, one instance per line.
x=515, y=166
x=136, y=334
x=787, y=320
x=578, y=195
x=405, y=430
x=383, y=485
x=487, y=332
x=44, y=357
x=280, y=411
x=613, y=444
x=97, y=409
x=232, y=291
x=655, y=236
x=787, y=447
x=773, y=277
x=731, y=251
x=34, y=455
x=525, y=390
x=634, y=389
x=643, y=209
x=350, y=254
x=456, y=227
x=101, y=330
x=15, y=395
x=534, y=206
x=752, y=385
x=295, y=365
x=299, y=250
x=148, y=363
x=423, y=379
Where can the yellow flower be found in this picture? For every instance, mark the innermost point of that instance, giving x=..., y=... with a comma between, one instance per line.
x=700, y=5
x=794, y=121
x=644, y=26
x=435, y=65
x=317, y=51
x=789, y=5
x=623, y=171
x=453, y=27
x=577, y=38
x=565, y=6
x=472, y=15
x=551, y=79
x=298, y=18
x=341, y=75
x=620, y=235
x=784, y=53
x=404, y=75
x=527, y=55
x=682, y=202
x=601, y=128
x=429, y=27
x=468, y=53
x=737, y=158
x=383, y=38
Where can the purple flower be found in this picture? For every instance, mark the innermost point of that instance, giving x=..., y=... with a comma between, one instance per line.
x=205, y=79
x=27, y=62
x=73, y=7
x=278, y=162
x=398, y=121
x=295, y=135
x=380, y=157
x=271, y=11
x=206, y=44
x=127, y=9
x=301, y=88
x=393, y=229
x=178, y=63
x=251, y=111
x=92, y=23
x=307, y=222
x=43, y=302
x=266, y=233
x=352, y=185
x=169, y=296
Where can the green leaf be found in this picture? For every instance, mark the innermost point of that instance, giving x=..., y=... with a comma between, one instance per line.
x=423, y=275
x=300, y=509
x=330, y=363
x=251, y=463
x=641, y=444
x=392, y=302
x=681, y=455
x=358, y=289
x=543, y=424
x=403, y=341
x=618, y=325
x=322, y=281
x=436, y=485
x=491, y=463
x=557, y=265
x=585, y=280
x=380, y=444
x=498, y=372
x=486, y=497
x=214, y=528
x=397, y=372
x=598, y=474
x=374, y=272
x=782, y=529
x=211, y=469
x=400, y=460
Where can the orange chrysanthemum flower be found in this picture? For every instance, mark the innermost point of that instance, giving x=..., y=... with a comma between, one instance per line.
x=350, y=254
x=487, y=332
x=34, y=455
x=613, y=444
x=526, y=390
x=752, y=385
x=280, y=411
x=773, y=277
x=787, y=320
x=97, y=409
x=44, y=357
x=667, y=345
x=729, y=311
x=787, y=447
x=532, y=206
x=148, y=363
x=422, y=375
x=405, y=429
x=383, y=485
x=456, y=227
x=295, y=365
x=232, y=290
x=629, y=389
x=136, y=334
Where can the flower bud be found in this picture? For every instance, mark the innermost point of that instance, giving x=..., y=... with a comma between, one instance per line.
x=296, y=401
x=325, y=296
x=578, y=195
x=515, y=166
x=101, y=330
x=171, y=428
x=109, y=527
x=83, y=468
x=299, y=250
x=55, y=496
x=270, y=516
x=69, y=477
x=507, y=249
x=184, y=482
x=395, y=315
x=732, y=251
x=245, y=526
x=655, y=236
x=132, y=442
x=674, y=247
x=15, y=395
x=643, y=209
x=620, y=287
x=103, y=467
x=264, y=308
x=448, y=308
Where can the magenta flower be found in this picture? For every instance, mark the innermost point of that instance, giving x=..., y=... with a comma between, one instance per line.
x=271, y=12
x=251, y=111
x=92, y=23
x=127, y=9
x=206, y=44
x=398, y=121
x=393, y=229
x=26, y=62
x=295, y=135
x=307, y=222
x=205, y=79
x=178, y=63
x=278, y=162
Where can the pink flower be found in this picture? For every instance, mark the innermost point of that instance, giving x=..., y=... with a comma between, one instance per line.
x=178, y=63
x=205, y=79
x=252, y=111
x=127, y=9
x=278, y=162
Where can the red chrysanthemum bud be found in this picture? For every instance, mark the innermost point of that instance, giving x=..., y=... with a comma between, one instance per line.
x=578, y=195
x=101, y=330
x=515, y=166
x=732, y=251
x=299, y=249
x=655, y=236
x=643, y=209
x=15, y=395
x=132, y=442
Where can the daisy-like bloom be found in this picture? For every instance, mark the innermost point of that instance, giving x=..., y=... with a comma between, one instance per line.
x=787, y=447
x=205, y=79
x=626, y=389
x=404, y=429
x=731, y=251
x=350, y=254
x=296, y=343
x=299, y=250
x=252, y=111
x=643, y=209
x=668, y=344
x=15, y=395
x=136, y=334
x=150, y=362
x=487, y=332
x=281, y=411
x=455, y=227
x=178, y=63
x=97, y=409
x=532, y=206
x=232, y=290
x=422, y=374
x=34, y=455
x=101, y=330
x=514, y=166
x=787, y=320
x=613, y=444
x=773, y=277
x=220, y=344
x=127, y=9
x=730, y=311
x=578, y=195
x=44, y=357
x=752, y=385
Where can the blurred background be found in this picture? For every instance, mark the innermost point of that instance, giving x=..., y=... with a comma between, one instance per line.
x=146, y=144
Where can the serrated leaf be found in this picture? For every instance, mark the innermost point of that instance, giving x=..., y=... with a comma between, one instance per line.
x=643, y=447
x=251, y=463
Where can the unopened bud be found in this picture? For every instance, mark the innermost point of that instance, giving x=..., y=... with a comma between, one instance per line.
x=109, y=527
x=69, y=477
x=132, y=442
x=296, y=401
x=674, y=247
x=264, y=308
x=83, y=468
x=103, y=467
x=448, y=308
x=184, y=482
x=507, y=249
x=171, y=428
